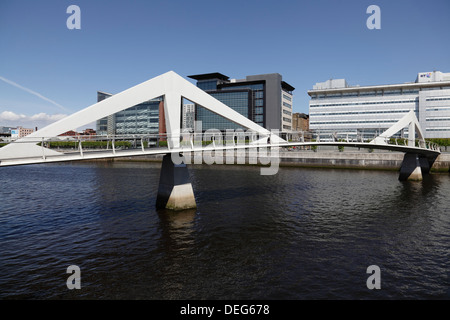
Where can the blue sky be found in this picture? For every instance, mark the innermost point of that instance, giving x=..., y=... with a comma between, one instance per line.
x=47, y=70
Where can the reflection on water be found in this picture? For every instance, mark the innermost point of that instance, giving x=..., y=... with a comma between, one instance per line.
x=301, y=234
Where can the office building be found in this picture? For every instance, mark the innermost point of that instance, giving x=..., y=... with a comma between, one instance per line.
x=140, y=119
x=336, y=107
x=265, y=99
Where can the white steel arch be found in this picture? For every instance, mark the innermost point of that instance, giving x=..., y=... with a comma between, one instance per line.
x=409, y=120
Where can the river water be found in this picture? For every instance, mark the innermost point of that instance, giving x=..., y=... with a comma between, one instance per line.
x=300, y=234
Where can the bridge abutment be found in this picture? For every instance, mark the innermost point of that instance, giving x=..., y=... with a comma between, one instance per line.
x=175, y=190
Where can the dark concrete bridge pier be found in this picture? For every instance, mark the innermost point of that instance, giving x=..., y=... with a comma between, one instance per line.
x=415, y=165
x=175, y=190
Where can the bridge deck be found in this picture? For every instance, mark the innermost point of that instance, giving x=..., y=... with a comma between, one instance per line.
x=105, y=154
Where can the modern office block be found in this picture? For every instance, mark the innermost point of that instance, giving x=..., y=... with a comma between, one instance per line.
x=337, y=107
x=265, y=99
x=140, y=119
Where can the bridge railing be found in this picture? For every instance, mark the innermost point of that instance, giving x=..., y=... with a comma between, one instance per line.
x=94, y=143
x=347, y=137
x=135, y=141
x=82, y=144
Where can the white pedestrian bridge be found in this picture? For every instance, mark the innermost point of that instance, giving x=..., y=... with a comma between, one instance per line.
x=175, y=190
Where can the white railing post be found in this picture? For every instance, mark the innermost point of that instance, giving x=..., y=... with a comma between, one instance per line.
x=80, y=148
x=43, y=149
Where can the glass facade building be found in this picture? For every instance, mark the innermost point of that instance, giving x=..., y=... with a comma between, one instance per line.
x=240, y=101
x=336, y=107
x=264, y=99
x=140, y=119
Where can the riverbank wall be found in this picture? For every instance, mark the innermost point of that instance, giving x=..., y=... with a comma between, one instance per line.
x=325, y=158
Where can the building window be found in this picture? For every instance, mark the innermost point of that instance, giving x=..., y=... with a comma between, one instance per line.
x=362, y=103
x=259, y=118
x=353, y=122
x=438, y=109
x=334, y=95
x=358, y=112
x=438, y=99
x=287, y=105
x=437, y=119
x=259, y=110
x=410, y=91
x=259, y=94
x=438, y=129
x=207, y=85
x=350, y=94
x=391, y=92
x=236, y=100
x=367, y=94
